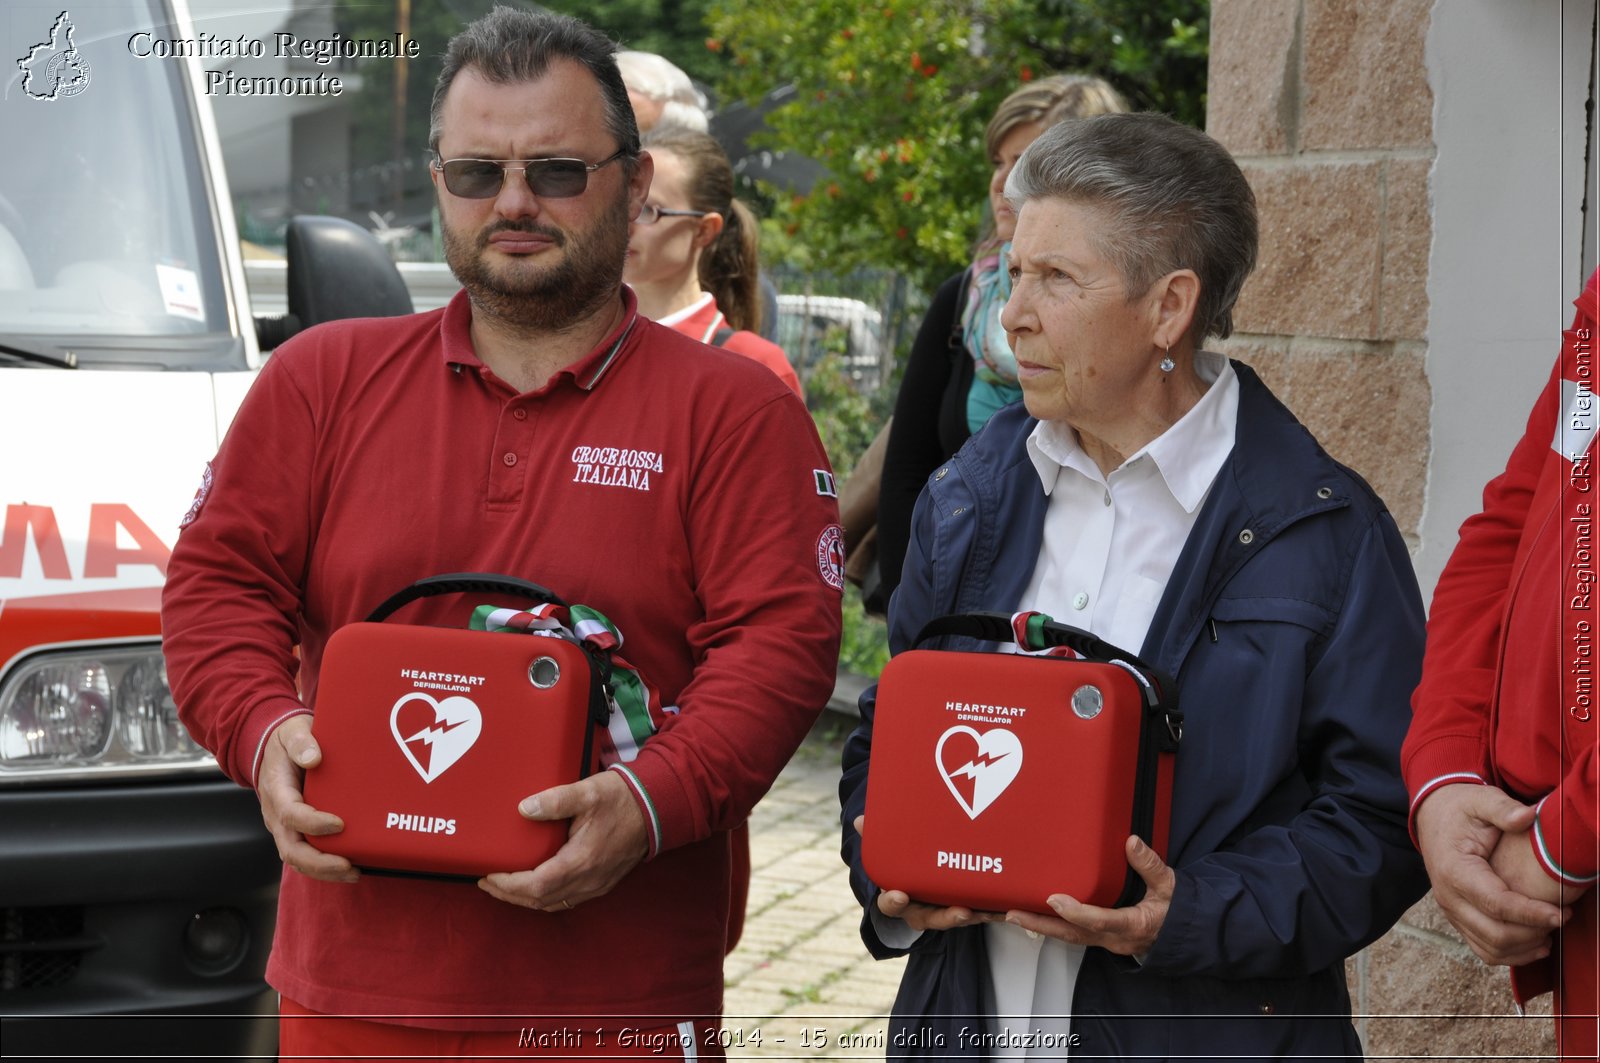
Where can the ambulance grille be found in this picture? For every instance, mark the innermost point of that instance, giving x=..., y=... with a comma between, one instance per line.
x=40, y=947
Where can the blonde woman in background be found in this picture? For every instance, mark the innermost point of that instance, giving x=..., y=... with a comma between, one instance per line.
x=960, y=370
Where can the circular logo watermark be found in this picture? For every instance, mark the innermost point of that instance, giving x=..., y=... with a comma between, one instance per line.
x=67, y=74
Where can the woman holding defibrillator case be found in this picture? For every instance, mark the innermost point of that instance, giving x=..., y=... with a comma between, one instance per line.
x=1158, y=495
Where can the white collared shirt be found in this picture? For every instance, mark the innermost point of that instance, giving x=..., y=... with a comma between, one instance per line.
x=1110, y=545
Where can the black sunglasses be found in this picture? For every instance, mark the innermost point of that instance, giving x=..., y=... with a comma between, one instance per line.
x=547, y=178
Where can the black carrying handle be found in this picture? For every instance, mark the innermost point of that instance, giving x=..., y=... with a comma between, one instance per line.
x=493, y=583
x=1161, y=693
x=463, y=583
x=996, y=627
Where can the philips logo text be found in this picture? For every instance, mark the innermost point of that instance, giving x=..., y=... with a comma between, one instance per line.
x=419, y=824
x=970, y=862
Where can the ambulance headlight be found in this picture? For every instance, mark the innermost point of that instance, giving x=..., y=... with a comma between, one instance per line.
x=93, y=714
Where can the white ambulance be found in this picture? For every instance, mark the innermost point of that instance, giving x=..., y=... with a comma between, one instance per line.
x=136, y=882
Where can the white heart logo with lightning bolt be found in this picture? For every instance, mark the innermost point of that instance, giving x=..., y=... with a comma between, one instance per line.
x=985, y=764
x=434, y=734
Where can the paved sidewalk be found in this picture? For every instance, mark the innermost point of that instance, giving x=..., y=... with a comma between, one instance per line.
x=801, y=981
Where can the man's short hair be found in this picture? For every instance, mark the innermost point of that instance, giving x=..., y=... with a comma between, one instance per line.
x=654, y=76
x=508, y=45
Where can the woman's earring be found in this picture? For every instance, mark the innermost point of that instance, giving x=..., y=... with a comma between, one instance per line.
x=1167, y=364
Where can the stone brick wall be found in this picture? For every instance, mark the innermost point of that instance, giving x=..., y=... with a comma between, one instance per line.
x=1327, y=106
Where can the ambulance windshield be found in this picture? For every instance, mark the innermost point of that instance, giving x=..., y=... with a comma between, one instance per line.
x=107, y=236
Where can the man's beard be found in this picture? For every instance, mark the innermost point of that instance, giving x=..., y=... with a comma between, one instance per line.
x=548, y=298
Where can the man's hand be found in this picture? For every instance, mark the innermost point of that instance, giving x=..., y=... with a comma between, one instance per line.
x=1126, y=931
x=1458, y=828
x=1514, y=862
x=607, y=839
x=896, y=904
x=289, y=751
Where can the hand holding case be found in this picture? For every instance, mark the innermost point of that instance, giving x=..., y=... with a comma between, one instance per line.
x=999, y=779
x=431, y=736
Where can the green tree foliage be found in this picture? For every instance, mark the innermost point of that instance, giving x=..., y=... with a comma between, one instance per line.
x=846, y=423
x=431, y=23
x=673, y=28
x=892, y=98
x=845, y=420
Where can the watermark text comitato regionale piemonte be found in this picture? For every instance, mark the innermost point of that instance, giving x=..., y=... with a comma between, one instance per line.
x=320, y=51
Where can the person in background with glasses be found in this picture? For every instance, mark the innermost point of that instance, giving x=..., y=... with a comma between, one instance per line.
x=540, y=427
x=693, y=252
x=664, y=98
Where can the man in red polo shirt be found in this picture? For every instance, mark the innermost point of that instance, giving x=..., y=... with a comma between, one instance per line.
x=536, y=426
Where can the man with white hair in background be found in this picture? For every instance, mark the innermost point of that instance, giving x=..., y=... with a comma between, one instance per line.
x=662, y=94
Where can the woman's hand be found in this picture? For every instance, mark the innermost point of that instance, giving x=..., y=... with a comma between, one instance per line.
x=896, y=904
x=1125, y=931
x=919, y=916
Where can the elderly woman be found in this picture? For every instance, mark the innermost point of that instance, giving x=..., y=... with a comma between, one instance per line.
x=1161, y=497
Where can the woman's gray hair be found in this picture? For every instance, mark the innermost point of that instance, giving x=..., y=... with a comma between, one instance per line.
x=1175, y=199
x=508, y=45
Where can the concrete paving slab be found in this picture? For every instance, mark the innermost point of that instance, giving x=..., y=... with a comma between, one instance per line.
x=801, y=986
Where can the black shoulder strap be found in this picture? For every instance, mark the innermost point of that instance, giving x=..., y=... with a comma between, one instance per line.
x=721, y=336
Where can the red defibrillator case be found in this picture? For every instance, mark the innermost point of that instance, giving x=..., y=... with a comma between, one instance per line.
x=432, y=736
x=998, y=779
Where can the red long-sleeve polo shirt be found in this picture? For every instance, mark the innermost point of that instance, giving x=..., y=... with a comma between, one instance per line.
x=672, y=486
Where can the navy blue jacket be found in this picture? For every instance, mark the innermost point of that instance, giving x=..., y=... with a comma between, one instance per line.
x=1294, y=628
